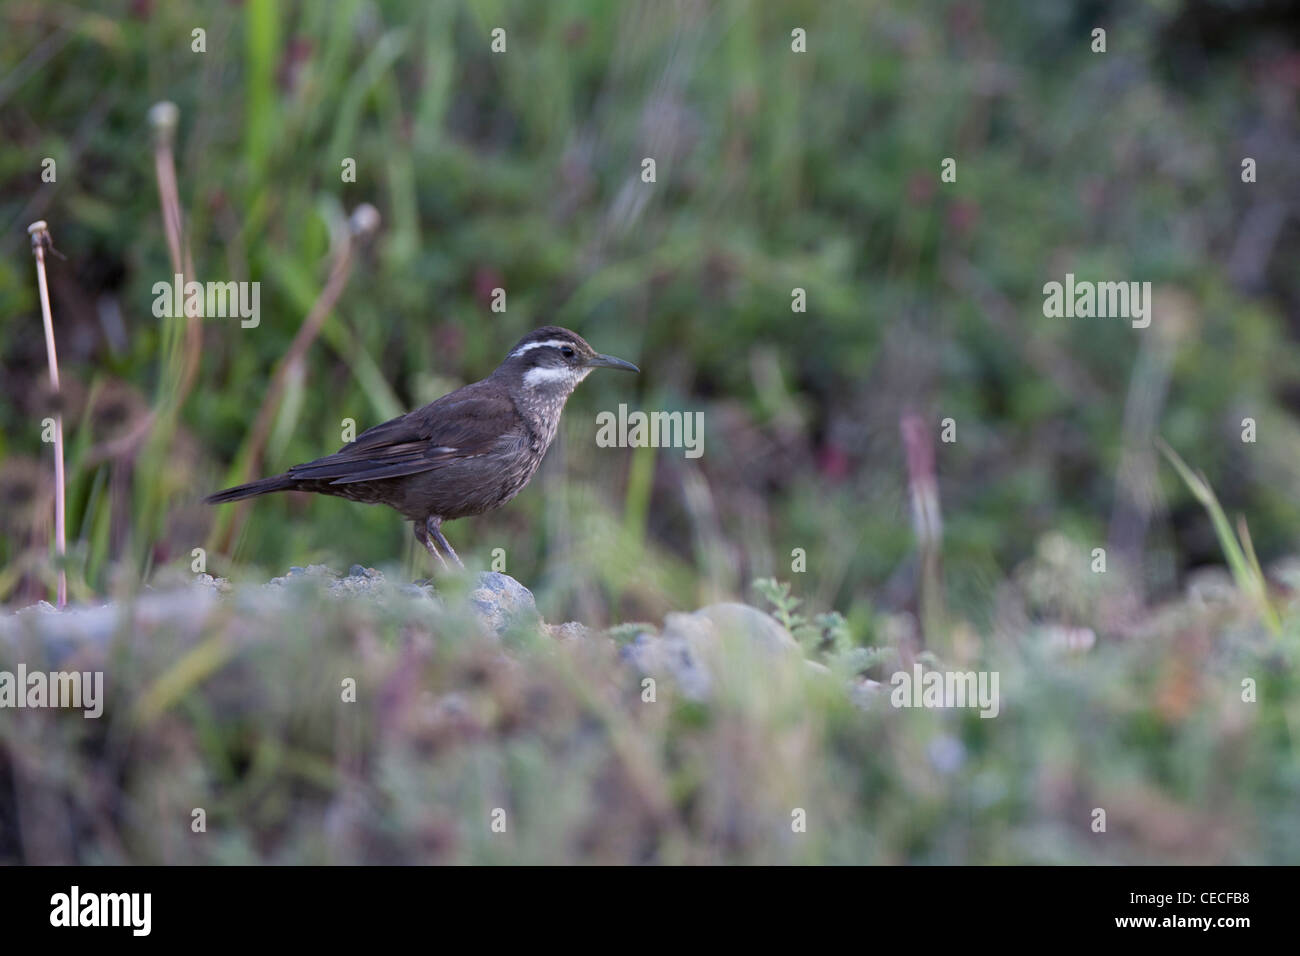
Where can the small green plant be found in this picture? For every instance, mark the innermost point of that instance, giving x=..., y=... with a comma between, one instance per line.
x=1237, y=548
x=825, y=636
x=628, y=632
x=784, y=604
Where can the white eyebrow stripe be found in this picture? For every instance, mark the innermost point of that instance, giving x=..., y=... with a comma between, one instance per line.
x=554, y=343
x=548, y=373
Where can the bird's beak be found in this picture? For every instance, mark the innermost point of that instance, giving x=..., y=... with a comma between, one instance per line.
x=608, y=361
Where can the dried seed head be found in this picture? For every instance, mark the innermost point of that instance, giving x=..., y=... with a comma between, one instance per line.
x=40, y=233
x=365, y=221
x=164, y=117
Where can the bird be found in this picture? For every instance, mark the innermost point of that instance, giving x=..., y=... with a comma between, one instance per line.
x=464, y=454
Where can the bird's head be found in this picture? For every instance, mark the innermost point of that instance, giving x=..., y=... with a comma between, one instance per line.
x=548, y=363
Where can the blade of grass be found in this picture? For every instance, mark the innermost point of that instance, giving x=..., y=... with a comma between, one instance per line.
x=261, y=45
x=1245, y=571
x=187, y=673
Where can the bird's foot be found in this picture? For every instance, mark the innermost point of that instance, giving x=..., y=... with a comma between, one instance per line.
x=434, y=527
x=422, y=536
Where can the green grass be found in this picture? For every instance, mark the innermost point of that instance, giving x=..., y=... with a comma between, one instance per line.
x=237, y=706
x=775, y=171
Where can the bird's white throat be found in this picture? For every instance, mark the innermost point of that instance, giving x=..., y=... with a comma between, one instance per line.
x=545, y=375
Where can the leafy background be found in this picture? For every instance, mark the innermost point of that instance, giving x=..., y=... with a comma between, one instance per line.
x=775, y=170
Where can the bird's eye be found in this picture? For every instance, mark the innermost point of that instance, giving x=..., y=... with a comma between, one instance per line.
x=566, y=352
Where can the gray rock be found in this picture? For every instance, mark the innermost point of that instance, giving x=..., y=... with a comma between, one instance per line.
x=62, y=632
x=296, y=574
x=419, y=589
x=687, y=648
x=220, y=585
x=368, y=582
x=865, y=692
x=359, y=581
x=709, y=623
x=669, y=657
x=502, y=603
x=571, y=631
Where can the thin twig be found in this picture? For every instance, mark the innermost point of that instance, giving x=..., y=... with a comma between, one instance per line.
x=40, y=234
x=927, y=522
x=363, y=224
x=164, y=118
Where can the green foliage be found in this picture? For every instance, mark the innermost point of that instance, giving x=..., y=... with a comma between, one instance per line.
x=826, y=637
x=237, y=705
x=1240, y=553
x=776, y=170
x=784, y=605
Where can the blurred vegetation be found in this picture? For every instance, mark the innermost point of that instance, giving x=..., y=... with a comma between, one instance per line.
x=238, y=707
x=775, y=171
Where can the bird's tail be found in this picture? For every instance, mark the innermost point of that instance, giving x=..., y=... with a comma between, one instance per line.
x=260, y=487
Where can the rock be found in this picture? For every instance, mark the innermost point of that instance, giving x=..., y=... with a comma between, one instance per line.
x=864, y=692
x=570, y=631
x=672, y=657
x=40, y=607
x=502, y=603
x=297, y=574
x=208, y=582
x=63, y=632
x=688, y=650
x=359, y=581
x=419, y=589
x=709, y=622
x=688, y=645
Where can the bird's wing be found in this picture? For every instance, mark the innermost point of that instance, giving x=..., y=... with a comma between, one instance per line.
x=463, y=424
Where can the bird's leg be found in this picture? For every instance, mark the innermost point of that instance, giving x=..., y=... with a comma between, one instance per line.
x=422, y=537
x=434, y=524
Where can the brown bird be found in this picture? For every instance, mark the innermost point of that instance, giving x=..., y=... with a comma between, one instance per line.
x=469, y=452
